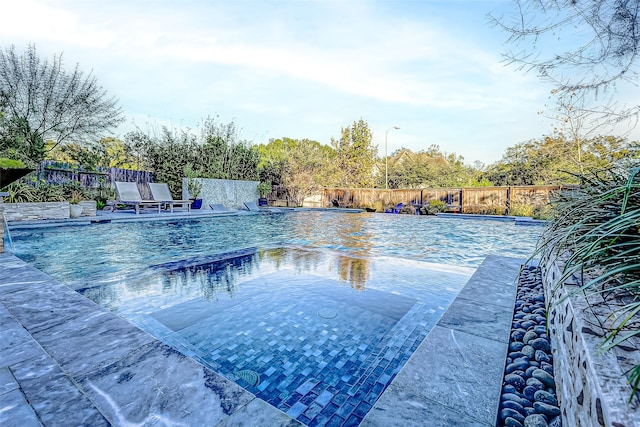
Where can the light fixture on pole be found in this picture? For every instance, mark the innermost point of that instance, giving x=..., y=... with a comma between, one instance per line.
x=386, y=159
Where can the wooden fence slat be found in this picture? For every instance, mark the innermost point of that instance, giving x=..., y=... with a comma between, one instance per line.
x=55, y=172
x=495, y=200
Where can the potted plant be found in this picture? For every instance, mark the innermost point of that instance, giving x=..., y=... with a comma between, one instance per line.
x=264, y=189
x=75, y=210
x=194, y=186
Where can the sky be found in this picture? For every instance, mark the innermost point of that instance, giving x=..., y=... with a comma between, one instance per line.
x=301, y=68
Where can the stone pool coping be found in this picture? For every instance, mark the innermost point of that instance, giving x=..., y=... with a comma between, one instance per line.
x=65, y=360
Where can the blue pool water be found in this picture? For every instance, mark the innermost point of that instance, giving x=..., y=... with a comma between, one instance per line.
x=84, y=253
x=314, y=312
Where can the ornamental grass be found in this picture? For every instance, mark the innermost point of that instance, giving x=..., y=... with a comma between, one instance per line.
x=594, y=233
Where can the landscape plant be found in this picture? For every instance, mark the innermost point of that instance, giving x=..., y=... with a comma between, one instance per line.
x=264, y=188
x=41, y=102
x=194, y=185
x=11, y=163
x=30, y=191
x=216, y=152
x=433, y=207
x=595, y=234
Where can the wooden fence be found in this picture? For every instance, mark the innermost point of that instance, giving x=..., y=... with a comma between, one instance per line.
x=56, y=172
x=485, y=200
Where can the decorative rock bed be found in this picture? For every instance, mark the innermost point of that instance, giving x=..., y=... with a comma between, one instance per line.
x=528, y=392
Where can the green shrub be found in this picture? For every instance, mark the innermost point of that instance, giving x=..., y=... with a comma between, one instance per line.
x=52, y=193
x=11, y=163
x=594, y=233
x=518, y=209
x=21, y=192
x=434, y=207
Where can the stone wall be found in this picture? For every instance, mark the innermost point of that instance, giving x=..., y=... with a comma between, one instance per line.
x=591, y=385
x=231, y=194
x=43, y=210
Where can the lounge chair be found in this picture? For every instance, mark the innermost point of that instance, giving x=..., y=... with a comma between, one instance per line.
x=161, y=193
x=255, y=208
x=220, y=208
x=128, y=194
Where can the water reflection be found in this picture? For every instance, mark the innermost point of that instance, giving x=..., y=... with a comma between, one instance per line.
x=355, y=271
x=210, y=278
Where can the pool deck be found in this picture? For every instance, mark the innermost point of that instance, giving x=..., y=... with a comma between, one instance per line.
x=66, y=361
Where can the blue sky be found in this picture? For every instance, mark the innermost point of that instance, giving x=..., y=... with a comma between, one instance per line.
x=300, y=69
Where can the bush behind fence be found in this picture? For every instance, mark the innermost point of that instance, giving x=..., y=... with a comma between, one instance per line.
x=479, y=200
x=59, y=172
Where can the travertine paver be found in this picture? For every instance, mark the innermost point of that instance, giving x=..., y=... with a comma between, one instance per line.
x=74, y=363
x=454, y=378
x=60, y=340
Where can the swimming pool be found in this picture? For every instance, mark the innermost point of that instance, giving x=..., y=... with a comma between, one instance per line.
x=314, y=312
x=89, y=252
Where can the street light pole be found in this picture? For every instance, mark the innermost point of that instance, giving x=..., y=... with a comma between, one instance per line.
x=386, y=159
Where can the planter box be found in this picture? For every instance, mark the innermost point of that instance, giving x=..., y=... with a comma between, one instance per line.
x=35, y=211
x=43, y=210
x=89, y=207
x=591, y=385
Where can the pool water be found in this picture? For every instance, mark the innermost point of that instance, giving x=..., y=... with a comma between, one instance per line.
x=85, y=253
x=314, y=332
x=314, y=312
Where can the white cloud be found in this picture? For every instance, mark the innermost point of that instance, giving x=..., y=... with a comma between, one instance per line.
x=300, y=69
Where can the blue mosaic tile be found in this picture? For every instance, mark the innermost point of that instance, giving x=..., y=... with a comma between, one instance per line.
x=296, y=410
x=324, y=398
x=324, y=351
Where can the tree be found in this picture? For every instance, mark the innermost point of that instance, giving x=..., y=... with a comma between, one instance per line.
x=605, y=35
x=551, y=160
x=306, y=171
x=303, y=166
x=216, y=152
x=106, y=153
x=356, y=155
x=430, y=168
x=41, y=102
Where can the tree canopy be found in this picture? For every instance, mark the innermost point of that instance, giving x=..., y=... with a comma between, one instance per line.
x=302, y=166
x=216, y=152
x=430, y=168
x=559, y=160
x=41, y=102
x=356, y=155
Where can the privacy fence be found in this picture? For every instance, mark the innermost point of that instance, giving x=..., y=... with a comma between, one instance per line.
x=59, y=172
x=484, y=200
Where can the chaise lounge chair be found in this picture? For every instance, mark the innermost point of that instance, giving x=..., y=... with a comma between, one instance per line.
x=255, y=208
x=128, y=194
x=220, y=208
x=161, y=193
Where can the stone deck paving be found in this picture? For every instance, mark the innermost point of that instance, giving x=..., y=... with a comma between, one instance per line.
x=66, y=361
x=455, y=376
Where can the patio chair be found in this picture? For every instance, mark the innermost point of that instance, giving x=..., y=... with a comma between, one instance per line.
x=220, y=208
x=161, y=193
x=128, y=194
x=252, y=207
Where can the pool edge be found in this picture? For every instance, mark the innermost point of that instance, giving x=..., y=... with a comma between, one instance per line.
x=406, y=399
x=462, y=359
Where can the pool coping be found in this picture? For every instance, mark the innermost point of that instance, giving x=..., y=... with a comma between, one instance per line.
x=41, y=319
